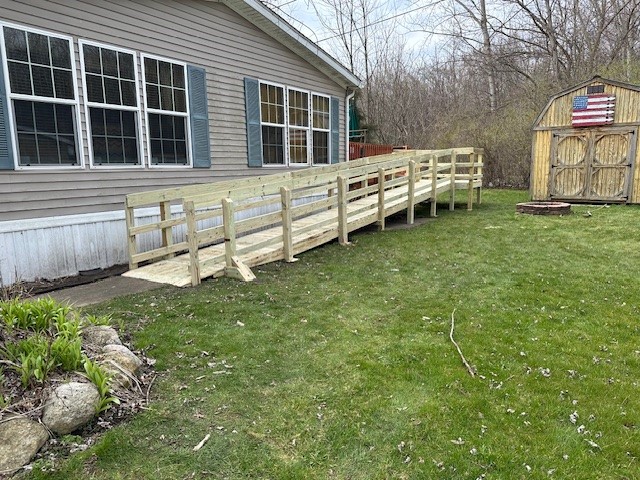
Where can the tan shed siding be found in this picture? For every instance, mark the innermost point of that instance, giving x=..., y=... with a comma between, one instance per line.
x=541, y=165
x=627, y=107
x=203, y=33
x=634, y=194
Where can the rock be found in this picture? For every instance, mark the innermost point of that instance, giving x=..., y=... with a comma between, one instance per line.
x=70, y=406
x=119, y=379
x=20, y=440
x=121, y=355
x=100, y=336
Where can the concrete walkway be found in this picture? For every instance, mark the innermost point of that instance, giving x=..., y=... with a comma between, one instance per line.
x=101, y=291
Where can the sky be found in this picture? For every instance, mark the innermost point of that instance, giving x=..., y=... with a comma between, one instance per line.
x=402, y=14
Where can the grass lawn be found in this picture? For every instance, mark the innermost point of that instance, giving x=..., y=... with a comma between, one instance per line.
x=340, y=365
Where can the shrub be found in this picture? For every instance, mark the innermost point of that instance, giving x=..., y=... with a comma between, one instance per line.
x=33, y=365
x=104, y=320
x=43, y=335
x=36, y=316
x=35, y=356
x=67, y=353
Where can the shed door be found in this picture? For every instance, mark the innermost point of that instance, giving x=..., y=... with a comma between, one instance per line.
x=593, y=165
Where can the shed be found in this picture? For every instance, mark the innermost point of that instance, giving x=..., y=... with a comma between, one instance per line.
x=585, y=144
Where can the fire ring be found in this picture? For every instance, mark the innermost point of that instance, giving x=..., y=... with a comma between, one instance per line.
x=544, y=208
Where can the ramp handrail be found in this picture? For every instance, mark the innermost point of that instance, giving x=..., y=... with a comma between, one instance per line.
x=211, y=213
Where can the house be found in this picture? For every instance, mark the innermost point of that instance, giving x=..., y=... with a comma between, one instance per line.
x=585, y=144
x=102, y=99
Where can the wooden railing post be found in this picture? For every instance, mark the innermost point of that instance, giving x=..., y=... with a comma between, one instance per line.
x=167, y=235
x=287, y=234
x=452, y=188
x=381, y=209
x=480, y=165
x=131, y=239
x=411, y=192
x=192, y=241
x=229, y=226
x=472, y=169
x=234, y=267
x=343, y=221
x=434, y=184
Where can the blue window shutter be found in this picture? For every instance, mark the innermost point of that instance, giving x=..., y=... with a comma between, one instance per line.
x=6, y=149
x=254, y=130
x=335, y=129
x=199, y=117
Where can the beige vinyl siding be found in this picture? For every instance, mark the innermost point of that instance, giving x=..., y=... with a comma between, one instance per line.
x=202, y=33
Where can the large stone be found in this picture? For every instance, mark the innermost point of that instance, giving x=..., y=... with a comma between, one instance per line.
x=70, y=406
x=20, y=440
x=100, y=336
x=119, y=378
x=122, y=356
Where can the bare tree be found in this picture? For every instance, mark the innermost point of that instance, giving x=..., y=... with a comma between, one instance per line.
x=470, y=22
x=359, y=34
x=490, y=67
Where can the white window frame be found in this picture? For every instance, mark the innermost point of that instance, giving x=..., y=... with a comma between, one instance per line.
x=75, y=103
x=147, y=111
x=289, y=127
x=284, y=125
x=88, y=105
x=313, y=128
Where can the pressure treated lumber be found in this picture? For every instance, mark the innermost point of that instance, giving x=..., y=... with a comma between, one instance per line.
x=302, y=212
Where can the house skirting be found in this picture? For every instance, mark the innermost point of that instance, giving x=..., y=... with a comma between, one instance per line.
x=55, y=247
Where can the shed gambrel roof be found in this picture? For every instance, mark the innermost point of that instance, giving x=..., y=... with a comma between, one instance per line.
x=586, y=83
x=275, y=26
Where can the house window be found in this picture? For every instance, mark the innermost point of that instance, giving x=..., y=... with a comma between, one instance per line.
x=295, y=125
x=43, y=97
x=39, y=105
x=113, y=114
x=298, y=127
x=272, y=115
x=167, y=111
x=321, y=129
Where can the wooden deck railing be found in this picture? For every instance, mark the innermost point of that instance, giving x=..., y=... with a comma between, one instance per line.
x=336, y=199
x=361, y=150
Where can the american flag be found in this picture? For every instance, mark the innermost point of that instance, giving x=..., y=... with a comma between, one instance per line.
x=595, y=109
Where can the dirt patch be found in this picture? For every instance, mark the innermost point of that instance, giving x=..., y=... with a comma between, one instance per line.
x=398, y=221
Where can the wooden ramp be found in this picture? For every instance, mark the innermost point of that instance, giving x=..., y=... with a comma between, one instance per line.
x=231, y=227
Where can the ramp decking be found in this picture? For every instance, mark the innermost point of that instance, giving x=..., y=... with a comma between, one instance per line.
x=226, y=228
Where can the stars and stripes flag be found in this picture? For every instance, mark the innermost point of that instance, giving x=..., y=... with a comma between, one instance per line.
x=591, y=110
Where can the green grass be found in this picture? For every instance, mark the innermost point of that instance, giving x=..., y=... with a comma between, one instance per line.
x=340, y=365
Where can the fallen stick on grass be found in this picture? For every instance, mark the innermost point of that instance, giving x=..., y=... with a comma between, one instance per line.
x=202, y=442
x=464, y=360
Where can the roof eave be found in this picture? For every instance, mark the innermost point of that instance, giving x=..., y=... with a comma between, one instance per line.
x=276, y=27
